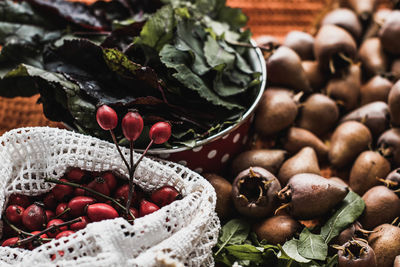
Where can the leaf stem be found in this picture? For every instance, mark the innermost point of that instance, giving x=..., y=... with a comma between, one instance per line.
x=263, y=48
x=119, y=150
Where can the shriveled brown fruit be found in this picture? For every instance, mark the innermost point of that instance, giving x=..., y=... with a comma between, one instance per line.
x=375, y=89
x=389, y=146
x=277, y=229
x=277, y=110
x=315, y=76
x=385, y=241
x=377, y=21
x=390, y=33
x=346, y=19
x=297, y=138
x=334, y=48
x=269, y=159
x=345, y=89
x=364, y=9
x=394, y=104
x=223, y=188
x=373, y=59
x=369, y=166
x=382, y=205
x=284, y=63
x=374, y=115
x=305, y=161
x=318, y=114
x=347, y=142
x=302, y=43
x=348, y=234
x=356, y=253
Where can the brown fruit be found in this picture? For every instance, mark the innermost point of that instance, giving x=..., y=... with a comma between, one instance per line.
x=376, y=89
x=267, y=41
x=305, y=161
x=394, y=104
x=363, y=8
x=390, y=33
x=346, y=19
x=284, y=63
x=395, y=69
x=347, y=142
x=302, y=43
x=382, y=205
x=356, y=253
x=377, y=21
x=389, y=146
x=369, y=166
x=373, y=59
x=277, y=229
x=315, y=76
x=334, y=48
x=269, y=159
x=318, y=114
x=346, y=89
x=297, y=138
x=277, y=110
x=338, y=181
x=223, y=188
x=386, y=244
x=396, y=262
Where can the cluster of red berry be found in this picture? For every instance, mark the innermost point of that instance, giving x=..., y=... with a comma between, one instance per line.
x=77, y=200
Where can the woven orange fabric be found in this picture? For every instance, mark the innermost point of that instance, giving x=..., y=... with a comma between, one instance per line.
x=275, y=17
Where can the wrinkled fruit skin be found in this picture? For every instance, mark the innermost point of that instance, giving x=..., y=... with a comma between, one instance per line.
x=277, y=229
x=100, y=211
x=164, y=196
x=360, y=259
x=34, y=217
x=385, y=241
x=255, y=196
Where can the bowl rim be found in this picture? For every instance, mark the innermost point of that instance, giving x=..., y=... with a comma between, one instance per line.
x=249, y=112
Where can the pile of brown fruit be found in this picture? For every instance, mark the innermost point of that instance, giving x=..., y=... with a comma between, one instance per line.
x=77, y=199
x=329, y=122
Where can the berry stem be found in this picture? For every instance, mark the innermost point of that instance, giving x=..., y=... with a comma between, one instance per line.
x=15, y=228
x=119, y=150
x=62, y=213
x=142, y=156
x=131, y=185
x=55, y=181
x=54, y=226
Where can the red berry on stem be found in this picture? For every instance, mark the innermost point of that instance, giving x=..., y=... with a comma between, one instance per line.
x=122, y=194
x=10, y=242
x=41, y=236
x=50, y=214
x=50, y=201
x=106, y=117
x=60, y=209
x=14, y=214
x=99, y=185
x=20, y=200
x=132, y=125
x=78, y=205
x=80, y=225
x=61, y=191
x=160, y=132
x=56, y=231
x=79, y=192
x=75, y=175
x=134, y=212
x=100, y=211
x=64, y=234
x=147, y=207
x=165, y=195
x=34, y=217
x=110, y=179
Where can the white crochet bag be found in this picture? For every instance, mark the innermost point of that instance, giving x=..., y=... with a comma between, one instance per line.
x=180, y=234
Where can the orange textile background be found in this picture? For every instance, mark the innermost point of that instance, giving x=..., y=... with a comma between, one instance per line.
x=275, y=17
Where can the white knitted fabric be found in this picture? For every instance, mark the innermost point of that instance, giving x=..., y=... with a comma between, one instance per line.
x=180, y=234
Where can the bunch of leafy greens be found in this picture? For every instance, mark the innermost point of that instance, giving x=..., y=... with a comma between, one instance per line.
x=238, y=244
x=179, y=64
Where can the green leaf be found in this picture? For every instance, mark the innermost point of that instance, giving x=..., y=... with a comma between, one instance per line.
x=158, y=30
x=216, y=55
x=352, y=207
x=233, y=16
x=246, y=252
x=234, y=232
x=312, y=246
x=177, y=60
x=290, y=251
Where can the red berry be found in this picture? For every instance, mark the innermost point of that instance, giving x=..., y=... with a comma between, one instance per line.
x=50, y=201
x=134, y=213
x=164, y=195
x=99, y=185
x=37, y=242
x=78, y=205
x=100, y=211
x=64, y=234
x=79, y=192
x=14, y=214
x=57, y=230
x=41, y=236
x=147, y=207
x=61, y=191
x=122, y=194
x=80, y=225
x=20, y=200
x=34, y=217
x=110, y=179
x=132, y=125
x=75, y=175
x=10, y=242
x=50, y=214
x=160, y=132
x=60, y=209
x=106, y=117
